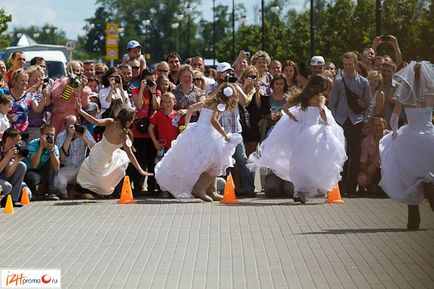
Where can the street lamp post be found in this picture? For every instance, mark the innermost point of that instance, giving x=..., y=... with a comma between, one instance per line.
x=146, y=23
x=213, y=32
x=312, y=28
x=175, y=26
x=262, y=25
x=378, y=11
x=188, y=11
x=233, y=29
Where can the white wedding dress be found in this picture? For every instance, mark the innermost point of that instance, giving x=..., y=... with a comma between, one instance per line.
x=199, y=148
x=306, y=152
x=104, y=168
x=408, y=160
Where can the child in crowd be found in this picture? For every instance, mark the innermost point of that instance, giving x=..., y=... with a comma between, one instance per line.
x=306, y=146
x=201, y=152
x=5, y=107
x=134, y=51
x=370, y=174
x=166, y=121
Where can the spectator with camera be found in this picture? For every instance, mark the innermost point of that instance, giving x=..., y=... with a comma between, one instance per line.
x=351, y=105
x=64, y=92
x=392, y=41
x=146, y=100
x=43, y=163
x=40, y=87
x=73, y=142
x=112, y=97
x=12, y=169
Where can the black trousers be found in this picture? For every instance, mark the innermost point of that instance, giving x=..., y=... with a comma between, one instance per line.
x=353, y=135
x=145, y=155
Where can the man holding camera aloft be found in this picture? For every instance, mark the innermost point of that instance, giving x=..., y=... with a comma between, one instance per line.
x=43, y=163
x=12, y=169
x=73, y=143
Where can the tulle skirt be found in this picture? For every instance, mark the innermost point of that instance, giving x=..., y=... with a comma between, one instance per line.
x=200, y=148
x=311, y=156
x=407, y=162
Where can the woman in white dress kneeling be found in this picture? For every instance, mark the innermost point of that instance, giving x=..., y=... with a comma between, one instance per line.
x=105, y=166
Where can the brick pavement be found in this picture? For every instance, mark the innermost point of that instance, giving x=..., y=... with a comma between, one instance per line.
x=260, y=243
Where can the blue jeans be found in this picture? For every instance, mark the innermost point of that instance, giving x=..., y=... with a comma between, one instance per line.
x=247, y=180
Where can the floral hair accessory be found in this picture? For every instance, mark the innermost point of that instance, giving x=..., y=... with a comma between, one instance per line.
x=228, y=91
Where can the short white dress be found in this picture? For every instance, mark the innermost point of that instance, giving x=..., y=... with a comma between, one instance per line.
x=199, y=148
x=407, y=161
x=104, y=168
x=306, y=152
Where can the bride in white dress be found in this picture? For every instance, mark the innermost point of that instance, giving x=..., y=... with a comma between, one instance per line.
x=306, y=146
x=105, y=166
x=203, y=147
x=407, y=154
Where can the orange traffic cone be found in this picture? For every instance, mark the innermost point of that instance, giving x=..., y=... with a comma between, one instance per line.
x=229, y=193
x=25, y=197
x=334, y=196
x=9, y=208
x=126, y=193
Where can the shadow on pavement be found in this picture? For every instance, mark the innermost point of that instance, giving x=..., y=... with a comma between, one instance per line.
x=361, y=231
x=76, y=203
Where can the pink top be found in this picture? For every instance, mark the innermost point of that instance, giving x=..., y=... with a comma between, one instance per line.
x=63, y=108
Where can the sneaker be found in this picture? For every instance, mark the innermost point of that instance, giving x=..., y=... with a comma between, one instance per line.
x=53, y=197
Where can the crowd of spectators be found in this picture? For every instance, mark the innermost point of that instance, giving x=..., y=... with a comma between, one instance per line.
x=38, y=116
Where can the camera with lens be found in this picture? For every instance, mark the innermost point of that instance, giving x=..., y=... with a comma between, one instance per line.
x=45, y=83
x=22, y=151
x=230, y=77
x=117, y=79
x=79, y=129
x=49, y=139
x=150, y=82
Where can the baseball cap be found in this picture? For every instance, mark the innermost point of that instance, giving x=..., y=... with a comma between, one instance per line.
x=223, y=66
x=317, y=61
x=133, y=44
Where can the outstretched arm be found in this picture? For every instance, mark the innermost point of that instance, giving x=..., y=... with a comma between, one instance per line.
x=132, y=157
x=89, y=118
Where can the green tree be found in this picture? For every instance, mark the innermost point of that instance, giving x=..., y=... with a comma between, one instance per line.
x=4, y=19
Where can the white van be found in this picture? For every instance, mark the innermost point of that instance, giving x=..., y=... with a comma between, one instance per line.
x=55, y=56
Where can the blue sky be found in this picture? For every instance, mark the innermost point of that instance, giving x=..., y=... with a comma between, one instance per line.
x=69, y=15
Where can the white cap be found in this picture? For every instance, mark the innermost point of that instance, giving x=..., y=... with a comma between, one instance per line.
x=133, y=44
x=223, y=66
x=317, y=61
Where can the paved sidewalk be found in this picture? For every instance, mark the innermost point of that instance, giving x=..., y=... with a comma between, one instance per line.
x=260, y=243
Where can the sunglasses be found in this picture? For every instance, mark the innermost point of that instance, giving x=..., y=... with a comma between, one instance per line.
x=252, y=76
x=99, y=73
x=135, y=67
x=197, y=79
x=162, y=70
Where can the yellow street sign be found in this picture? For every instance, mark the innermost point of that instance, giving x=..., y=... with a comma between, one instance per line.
x=111, y=41
x=112, y=53
x=112, y=29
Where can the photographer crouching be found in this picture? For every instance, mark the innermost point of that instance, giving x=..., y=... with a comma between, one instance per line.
x=43, y=163
x=73, y=143
x=12, y=169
